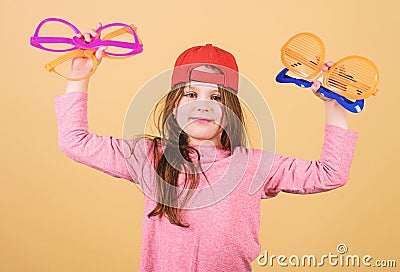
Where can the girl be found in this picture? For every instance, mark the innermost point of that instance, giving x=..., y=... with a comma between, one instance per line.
x=202, y=185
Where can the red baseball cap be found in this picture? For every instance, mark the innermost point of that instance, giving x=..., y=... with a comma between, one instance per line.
x=206, y=55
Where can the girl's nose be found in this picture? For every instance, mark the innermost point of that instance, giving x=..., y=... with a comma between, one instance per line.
x=201, y=109
x=203, y=106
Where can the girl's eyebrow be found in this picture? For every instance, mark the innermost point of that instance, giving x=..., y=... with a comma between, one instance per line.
x=197, y=89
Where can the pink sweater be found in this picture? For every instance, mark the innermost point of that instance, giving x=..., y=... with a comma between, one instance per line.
x=224, y=222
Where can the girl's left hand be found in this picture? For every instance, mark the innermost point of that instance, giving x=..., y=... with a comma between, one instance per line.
x=316, y=85
x=83, y=66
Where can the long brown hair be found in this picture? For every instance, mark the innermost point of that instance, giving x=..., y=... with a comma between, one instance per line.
x=167, y=165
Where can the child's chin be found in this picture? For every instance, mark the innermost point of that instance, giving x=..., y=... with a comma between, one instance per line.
x=202, y=134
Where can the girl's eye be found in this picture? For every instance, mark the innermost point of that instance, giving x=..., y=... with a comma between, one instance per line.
x=194, y=95
x=190, y=95
x=216, y=97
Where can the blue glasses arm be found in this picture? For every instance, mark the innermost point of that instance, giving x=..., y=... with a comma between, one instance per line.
x=355, y=107
x=282, y=77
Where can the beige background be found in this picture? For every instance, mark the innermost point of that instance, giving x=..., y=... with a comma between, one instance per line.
x=58, y=215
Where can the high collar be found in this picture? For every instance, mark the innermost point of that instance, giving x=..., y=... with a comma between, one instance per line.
x=209, y=153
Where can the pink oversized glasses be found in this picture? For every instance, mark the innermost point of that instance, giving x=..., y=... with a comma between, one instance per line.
x=78, y=48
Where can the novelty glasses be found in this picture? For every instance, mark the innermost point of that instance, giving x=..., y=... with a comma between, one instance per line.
x=350, y=78
x=121, y=41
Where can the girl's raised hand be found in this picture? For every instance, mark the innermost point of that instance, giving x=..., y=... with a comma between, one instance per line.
x=316, y=85
x=83, y=66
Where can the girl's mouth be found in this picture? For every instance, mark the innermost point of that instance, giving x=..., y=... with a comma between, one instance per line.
x=201, y=120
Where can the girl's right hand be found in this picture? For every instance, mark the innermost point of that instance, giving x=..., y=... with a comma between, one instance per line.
x=317, y=84
x=83, y=66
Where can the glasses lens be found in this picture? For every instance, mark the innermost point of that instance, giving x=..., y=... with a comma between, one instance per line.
x=83, y=65
x=302, y=55
x=354, y=78
x=124, y=41
x=52, y=30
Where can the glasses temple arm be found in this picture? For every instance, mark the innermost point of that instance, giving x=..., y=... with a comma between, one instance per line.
x=79, y=53
x=351, y=106
x=354, y=107
x=282, y=77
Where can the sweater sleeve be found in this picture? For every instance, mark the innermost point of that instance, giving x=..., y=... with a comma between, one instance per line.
x=293, y=175
x=104, y=153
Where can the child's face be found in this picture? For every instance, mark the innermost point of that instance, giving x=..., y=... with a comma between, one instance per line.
x=200, y=113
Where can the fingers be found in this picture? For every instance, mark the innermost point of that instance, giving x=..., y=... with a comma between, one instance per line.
x=316, y=85
x=100, y=52
x=87, y=36
x=98, y=25
x=315, y=88
x=91, y=34
x=327, y=65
